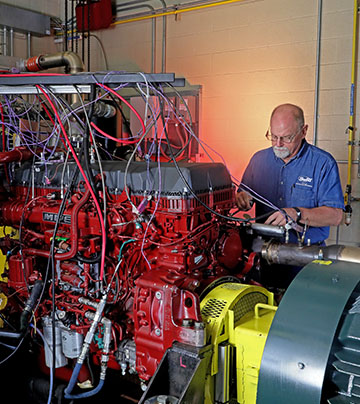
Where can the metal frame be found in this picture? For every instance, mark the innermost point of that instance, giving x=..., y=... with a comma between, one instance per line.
x=63, y=83
x=23, y=20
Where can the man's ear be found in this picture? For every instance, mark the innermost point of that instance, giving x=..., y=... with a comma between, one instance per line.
x=306, y=127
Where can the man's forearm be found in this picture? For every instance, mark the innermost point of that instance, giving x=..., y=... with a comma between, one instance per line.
x=321, y=216
x=316, y=217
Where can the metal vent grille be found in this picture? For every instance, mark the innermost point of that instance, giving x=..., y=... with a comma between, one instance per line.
x=345, y=373
x=247, y=304
x=213, y=308
x=233, y=286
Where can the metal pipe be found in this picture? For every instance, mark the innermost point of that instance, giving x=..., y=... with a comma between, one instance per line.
x=28, y=44
x=291, y=254
x=129, y=3
x=177, y=11
x=346, y=162
x=69, y=59
x=163, y=53
x=267, y=229
x=153, y=45
x=163, y=50
x=11, y=42
x=43, y=62
x=317, y=72
x=5, y=41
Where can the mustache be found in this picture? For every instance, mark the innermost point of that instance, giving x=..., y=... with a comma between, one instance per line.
x=281, y=151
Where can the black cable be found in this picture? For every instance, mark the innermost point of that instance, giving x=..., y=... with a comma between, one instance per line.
x=20, y=229
x=77, y=36
x=126, y=122
x=88, y=34
x=51, y=261
x=66, y=27
x=72, y=25
x=86, y=260
x=82, y=5
x=87, y=137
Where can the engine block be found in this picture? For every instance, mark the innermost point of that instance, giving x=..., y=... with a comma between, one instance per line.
x=162, y=249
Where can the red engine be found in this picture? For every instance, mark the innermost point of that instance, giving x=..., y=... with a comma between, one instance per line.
x=109, y=241
x=162, y=248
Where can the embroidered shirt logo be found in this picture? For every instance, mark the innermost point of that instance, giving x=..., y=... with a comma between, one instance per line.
x=304, y=181
x=304, y=178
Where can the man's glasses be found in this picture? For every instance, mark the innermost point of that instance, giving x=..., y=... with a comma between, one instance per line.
x=284, y=139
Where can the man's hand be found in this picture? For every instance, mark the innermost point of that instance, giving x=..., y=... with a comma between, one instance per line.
x=243, y=200
x=316, y=217
x=278, y=218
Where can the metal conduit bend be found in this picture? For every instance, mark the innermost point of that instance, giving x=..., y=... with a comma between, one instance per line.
x=42, y=62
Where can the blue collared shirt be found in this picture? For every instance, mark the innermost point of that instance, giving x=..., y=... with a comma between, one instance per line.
x=310, y=179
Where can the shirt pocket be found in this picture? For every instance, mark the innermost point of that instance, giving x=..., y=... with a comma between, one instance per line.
x=302, y=196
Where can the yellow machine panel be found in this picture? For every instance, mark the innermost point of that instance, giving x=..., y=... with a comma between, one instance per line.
x=237, y=319
x=3, y=265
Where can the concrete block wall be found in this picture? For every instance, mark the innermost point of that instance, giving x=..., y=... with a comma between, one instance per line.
x=249, y=57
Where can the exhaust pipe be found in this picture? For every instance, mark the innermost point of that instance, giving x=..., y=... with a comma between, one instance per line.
x=70, y=60
x=291, y=254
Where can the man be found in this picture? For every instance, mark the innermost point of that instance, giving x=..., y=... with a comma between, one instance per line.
x=295, y=176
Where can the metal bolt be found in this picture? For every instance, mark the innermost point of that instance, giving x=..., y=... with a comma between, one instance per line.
x=301, y=365
x=187, y=322
x=123, y=368
x=335, y=279
x=158, y=295
x=61, y=315
x=157, y=332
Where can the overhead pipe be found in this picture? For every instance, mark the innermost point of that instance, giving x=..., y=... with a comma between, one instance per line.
x=67, y=59
x=178, y=10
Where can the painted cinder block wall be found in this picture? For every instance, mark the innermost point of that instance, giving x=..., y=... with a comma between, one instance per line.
x=249, y=57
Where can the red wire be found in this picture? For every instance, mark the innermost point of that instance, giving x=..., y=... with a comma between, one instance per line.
x=125, y=102
x=33, y=74
x=101, y=219
x=111, y=137
x=2, y=127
